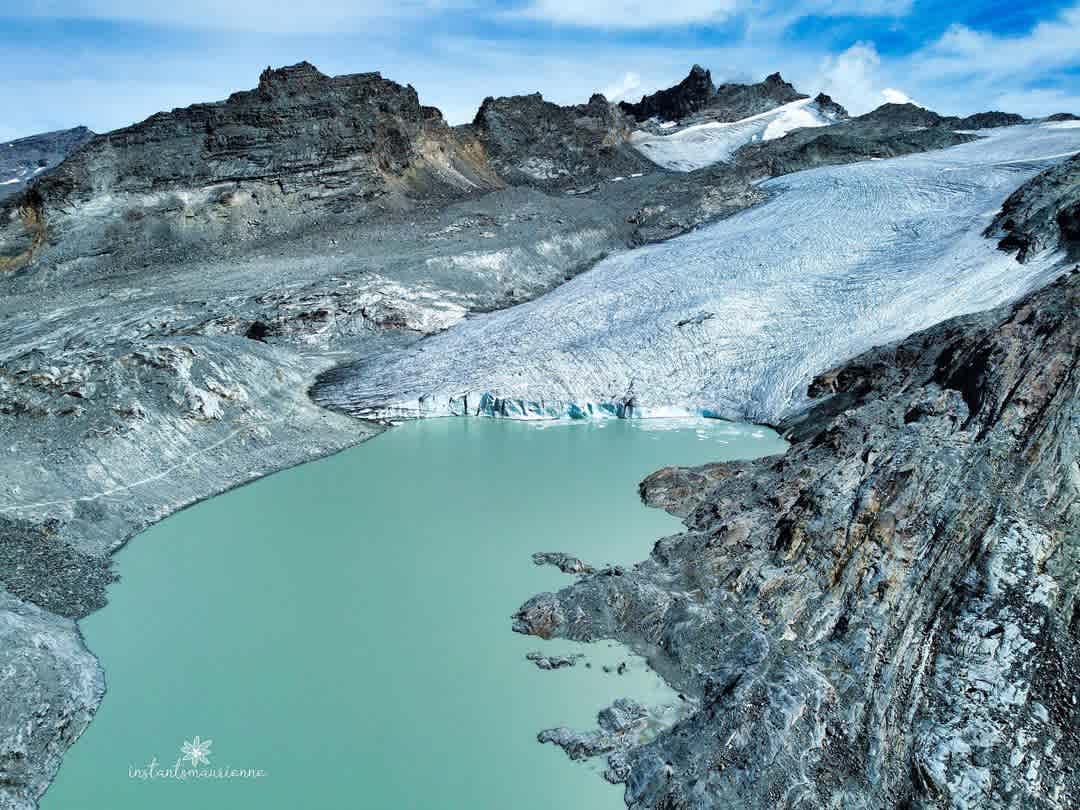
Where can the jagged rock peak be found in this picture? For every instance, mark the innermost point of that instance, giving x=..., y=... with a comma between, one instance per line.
x=532, y=141
x=301, y=74
x=826, y=104
x=687, y=97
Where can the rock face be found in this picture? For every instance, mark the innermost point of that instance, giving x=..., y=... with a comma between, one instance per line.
x=534, y=142
x=688, y=96
x=912, y=116
x=885, y=616
x=986, y=120
x=1044, y=212
x=728, y=102
x=24, y=159
x=300, y=148
x=826, y=104
x=50, y=689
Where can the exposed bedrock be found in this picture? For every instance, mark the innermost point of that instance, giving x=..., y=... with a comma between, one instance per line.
x=25, y=159
x=530, y=141
x=697, y=94
x=886, y=616
x=299, y=152
x=50, y=688
x=1042, y=213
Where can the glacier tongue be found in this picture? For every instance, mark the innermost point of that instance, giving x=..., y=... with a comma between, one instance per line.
x=704, y=144
x=735, y=318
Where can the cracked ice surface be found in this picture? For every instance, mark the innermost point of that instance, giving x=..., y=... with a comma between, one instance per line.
x=736, y=318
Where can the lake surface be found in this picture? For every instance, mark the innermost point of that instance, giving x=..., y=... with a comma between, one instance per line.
x=341, y=630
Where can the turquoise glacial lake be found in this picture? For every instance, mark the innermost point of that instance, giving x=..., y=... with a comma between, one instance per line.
x=340, y=631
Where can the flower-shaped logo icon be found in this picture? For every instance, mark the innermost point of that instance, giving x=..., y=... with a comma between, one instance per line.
x=197, y=751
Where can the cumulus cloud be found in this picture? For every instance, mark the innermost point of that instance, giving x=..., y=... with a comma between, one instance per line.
x=962, y=51
x=856, y=79
x=893, y=96
x=623, y=87
x=629, y=13
x=267, y=16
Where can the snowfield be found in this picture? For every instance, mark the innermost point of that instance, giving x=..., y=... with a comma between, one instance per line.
x=704, y=144
x=735, y=319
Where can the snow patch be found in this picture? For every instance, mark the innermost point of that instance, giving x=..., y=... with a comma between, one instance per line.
x=704, y=144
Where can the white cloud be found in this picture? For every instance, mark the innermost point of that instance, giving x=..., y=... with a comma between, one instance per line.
x=624, y=86
x=631, y=14
x=852, y=77
x=856, y=78
x=266, y=16
x=1038, y=102
x=962, y=51
x=894, y=96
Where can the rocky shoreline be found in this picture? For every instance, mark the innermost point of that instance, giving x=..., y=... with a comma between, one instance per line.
x=886, y=615
x=171, y=291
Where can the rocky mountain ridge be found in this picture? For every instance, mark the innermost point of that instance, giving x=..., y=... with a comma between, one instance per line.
x=24, y=159
x=697, y=96
x=168, y=294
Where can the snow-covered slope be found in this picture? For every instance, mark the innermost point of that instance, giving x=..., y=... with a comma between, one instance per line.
x=703, y=144
x=736, y=318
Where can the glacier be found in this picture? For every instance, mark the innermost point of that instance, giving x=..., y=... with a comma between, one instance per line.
x=700, y=145
x=733, y=320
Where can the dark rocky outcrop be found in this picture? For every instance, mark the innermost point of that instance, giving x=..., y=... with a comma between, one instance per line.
x=693, y=93
x=25, y=159
x=1062, y=116
x=696, y=94
x=912, y=116
x=534, y=142
x=831, y=108
x=884, y=616
x=986, y=120
x=734, y=101
x=889, y=131
x=299, y=150
x=353, y=137
x=1043, y=213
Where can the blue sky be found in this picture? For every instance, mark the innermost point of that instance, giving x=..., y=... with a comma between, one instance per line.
x=107, y=63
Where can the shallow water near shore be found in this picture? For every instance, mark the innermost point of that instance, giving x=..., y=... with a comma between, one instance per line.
x=341, y=630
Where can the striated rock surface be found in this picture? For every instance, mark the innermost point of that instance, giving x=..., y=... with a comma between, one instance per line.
x=534, y=142
x=50, y=688
x=1044, y=212
x=24, y=159
x=886, y=615
x=300, y=150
